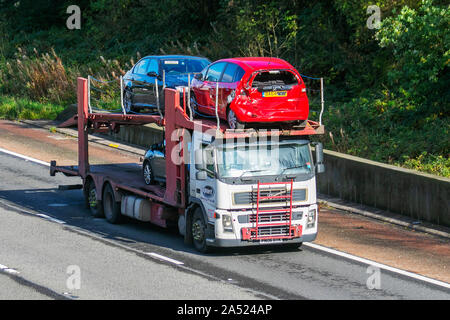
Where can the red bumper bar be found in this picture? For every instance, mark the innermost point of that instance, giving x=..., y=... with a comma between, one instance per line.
x=251, y=234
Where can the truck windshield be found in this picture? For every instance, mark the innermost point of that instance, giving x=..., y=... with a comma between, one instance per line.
x=242, y=161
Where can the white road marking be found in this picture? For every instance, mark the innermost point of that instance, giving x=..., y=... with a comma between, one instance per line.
x=24, y=157
x=165, y=258
x=8, y=270
x=379, y=265
x=32, y=213
x=50, y=218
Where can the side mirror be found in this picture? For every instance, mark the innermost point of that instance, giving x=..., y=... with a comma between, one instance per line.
x=198, y=76
x=152, y=74
x=199, y=161
x=320, y=167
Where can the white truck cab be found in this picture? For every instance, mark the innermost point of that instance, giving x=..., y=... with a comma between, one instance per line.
x=254, y=191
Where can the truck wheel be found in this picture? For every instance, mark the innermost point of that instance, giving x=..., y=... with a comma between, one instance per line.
x=95, y=206
x=111, y=207
x=147, y=172
x=199, y=232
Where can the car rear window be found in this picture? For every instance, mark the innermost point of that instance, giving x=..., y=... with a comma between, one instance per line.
x=274, y=77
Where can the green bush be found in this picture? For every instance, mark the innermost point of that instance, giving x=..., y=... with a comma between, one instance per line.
x=25, y=109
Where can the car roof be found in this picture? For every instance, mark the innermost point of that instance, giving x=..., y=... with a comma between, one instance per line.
x=175, y=56
x=255, y=63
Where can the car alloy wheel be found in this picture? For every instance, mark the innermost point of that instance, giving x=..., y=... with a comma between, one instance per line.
x=127, y=104
x=233, y=121
x=148, y=174
x=194, y=105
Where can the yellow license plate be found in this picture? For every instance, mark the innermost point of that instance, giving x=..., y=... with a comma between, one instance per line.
x=269, y=94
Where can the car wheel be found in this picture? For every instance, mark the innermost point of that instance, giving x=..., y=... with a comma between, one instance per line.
x=233, y=121
x=199, y=232
x=194, y=105
x=95, y=206
x=127, y=101
x=111, y=207
x=147, y=173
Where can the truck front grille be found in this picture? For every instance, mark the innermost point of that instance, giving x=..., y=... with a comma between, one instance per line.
x=270, y=217
x=241, y=198
x=273, y=231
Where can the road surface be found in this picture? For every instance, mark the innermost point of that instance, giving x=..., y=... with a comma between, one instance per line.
x=51, y=248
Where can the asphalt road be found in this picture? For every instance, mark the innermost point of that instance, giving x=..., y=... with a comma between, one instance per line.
x=50, y=247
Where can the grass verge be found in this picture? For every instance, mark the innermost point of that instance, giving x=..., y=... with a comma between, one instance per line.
x=25, y=109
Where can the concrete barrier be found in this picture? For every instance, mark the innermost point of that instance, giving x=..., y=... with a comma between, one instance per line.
x=421, y=196
x=143, y=136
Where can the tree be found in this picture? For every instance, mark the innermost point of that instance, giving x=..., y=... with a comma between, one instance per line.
x=420, y=43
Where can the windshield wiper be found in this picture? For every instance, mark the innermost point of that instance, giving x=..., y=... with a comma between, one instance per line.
x=248, y=171
x=293, y=167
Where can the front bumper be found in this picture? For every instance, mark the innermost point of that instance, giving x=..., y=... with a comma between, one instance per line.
x=227, y=243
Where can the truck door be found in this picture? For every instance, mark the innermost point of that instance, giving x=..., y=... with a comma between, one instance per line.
x=204, y=189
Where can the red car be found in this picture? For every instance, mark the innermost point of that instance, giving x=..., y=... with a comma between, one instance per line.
x=251, y=90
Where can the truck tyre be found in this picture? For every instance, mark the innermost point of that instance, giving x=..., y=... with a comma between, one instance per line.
x=94, y=205
x=111, y=207
x=198, y=230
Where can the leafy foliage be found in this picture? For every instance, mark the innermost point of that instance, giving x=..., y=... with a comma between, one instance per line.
x=420, y=42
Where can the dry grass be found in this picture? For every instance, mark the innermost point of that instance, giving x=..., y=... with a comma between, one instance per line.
x=45, y=78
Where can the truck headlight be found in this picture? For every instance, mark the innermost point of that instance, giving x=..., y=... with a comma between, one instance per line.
x=227, y=223
x=312, y=216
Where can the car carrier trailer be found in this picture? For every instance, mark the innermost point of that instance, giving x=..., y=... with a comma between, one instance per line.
x=207, y=194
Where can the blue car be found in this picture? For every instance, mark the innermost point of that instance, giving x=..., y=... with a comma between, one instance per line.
x=170, y=71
